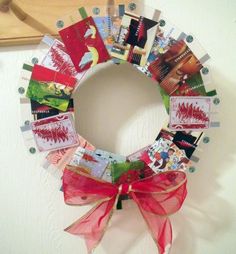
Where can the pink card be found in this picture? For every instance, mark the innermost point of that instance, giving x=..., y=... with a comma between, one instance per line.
x=190, y=113
x=84, y=44
x=55, y=132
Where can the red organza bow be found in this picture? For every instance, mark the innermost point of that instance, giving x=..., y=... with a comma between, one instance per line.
x=157, y=197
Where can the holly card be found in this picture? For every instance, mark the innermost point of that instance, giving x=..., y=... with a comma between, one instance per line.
x=55, y=132
x=135, y=39
x=190, y=113
x=84, y=44
x=126, y=172
x=50, y=87
x=170, y=68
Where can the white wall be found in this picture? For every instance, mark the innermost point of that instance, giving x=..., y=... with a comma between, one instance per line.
x=33, y=214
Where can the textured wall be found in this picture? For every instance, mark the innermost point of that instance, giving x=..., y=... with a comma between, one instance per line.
x=120, y=110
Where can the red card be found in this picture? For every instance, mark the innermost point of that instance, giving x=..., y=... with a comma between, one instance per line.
x=84, y=44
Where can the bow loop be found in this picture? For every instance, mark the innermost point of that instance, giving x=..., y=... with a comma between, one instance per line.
x=157, y=197
x=81, y=189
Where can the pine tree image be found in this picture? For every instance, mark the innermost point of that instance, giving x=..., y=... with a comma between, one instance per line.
x=187, y=112
x=53, y=134
x=63, y=65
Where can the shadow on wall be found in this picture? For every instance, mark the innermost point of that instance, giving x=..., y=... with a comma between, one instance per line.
x=205, y=213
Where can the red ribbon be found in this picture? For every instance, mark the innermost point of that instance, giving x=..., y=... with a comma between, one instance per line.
x=157, y=197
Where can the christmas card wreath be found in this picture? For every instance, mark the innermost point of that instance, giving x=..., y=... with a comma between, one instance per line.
x=155, y=177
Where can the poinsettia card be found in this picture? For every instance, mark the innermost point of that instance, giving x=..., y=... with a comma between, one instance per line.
x=190, y=113
x=50, y=87
x=55, y=132
x=84, y=44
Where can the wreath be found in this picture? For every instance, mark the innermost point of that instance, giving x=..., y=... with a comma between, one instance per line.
x=155, y=177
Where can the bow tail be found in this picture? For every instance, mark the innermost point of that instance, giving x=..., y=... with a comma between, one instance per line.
x=93, y=224
x=160, y=229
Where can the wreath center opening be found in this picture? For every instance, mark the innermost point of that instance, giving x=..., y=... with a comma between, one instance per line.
x=118, y=109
